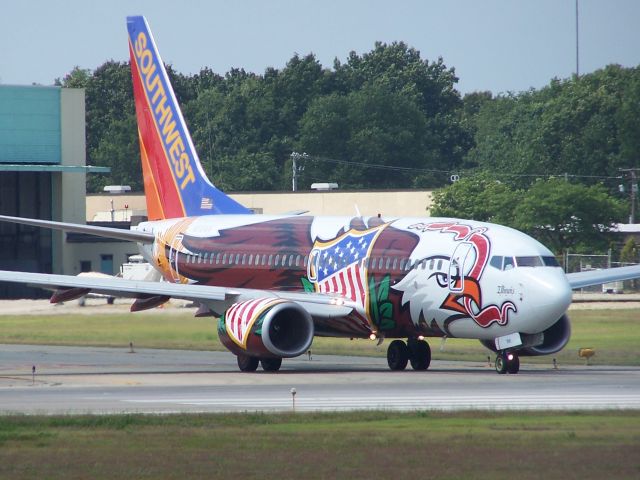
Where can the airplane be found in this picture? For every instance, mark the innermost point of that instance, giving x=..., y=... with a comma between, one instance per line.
x=277, y=281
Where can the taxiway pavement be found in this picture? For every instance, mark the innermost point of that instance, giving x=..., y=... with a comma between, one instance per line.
x=71, y=380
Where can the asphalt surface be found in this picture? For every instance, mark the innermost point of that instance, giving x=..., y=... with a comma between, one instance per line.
x=71, y=380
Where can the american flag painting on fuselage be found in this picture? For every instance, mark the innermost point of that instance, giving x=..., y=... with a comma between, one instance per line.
x=338, y=266
x=240, y=317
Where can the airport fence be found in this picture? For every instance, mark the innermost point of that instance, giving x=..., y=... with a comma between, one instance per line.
x=578, y=262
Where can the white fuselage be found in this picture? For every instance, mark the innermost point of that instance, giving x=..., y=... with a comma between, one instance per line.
x=441, y=276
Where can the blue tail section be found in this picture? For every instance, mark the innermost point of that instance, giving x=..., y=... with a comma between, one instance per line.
x=175, y=183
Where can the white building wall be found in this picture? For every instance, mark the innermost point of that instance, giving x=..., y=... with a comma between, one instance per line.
x=69, y=188
x=394, y=203
x=92, y=252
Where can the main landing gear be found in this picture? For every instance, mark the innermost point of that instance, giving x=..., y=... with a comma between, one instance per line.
x=507, y=362
x=416, y=352
x=250, y=364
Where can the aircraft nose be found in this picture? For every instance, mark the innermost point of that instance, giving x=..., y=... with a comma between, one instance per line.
x=550, y=295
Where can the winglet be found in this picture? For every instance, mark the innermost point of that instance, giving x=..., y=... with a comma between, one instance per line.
x=175, y=184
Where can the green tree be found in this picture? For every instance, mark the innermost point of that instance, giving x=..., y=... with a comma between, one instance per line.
x=477, y=197
x=571, y=126
x=112, y=139
x=628, y=122
x=76, y=78
x=368, y=126
x=564, y=215
x=399, y=70
x=246, y=171
x=118, y=148
x=630, y=252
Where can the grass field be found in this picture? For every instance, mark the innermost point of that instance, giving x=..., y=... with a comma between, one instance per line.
x=345, y=445
x=615, y=335
x=355, y=445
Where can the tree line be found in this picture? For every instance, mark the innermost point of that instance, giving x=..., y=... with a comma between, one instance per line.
x=388, y=107
x=388, y=118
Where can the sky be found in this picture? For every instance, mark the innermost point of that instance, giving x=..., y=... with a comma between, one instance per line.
x=496, y=45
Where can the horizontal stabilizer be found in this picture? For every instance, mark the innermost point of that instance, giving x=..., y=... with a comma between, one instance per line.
x=117, y=233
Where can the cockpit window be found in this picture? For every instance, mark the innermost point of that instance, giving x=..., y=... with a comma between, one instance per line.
x=529, y=261
x=508, y=263
x=550, y=261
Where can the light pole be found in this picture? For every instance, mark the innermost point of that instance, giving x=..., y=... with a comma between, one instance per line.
x=577, y=45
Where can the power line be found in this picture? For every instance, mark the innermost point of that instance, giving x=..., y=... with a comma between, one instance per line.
x=371, y=165
x=306, y=156
x=548, y=175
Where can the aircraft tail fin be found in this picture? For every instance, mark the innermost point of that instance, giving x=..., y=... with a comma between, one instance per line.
x=175, y=184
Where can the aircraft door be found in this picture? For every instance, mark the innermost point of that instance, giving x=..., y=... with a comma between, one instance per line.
x=173, y=258
x=313, y=265
x=459, y=260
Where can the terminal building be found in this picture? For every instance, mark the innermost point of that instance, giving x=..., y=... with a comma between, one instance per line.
x=42, y=175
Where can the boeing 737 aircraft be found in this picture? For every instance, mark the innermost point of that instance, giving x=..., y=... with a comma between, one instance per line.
x=276, y=281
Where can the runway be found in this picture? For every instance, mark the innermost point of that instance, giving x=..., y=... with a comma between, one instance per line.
x=70, y=380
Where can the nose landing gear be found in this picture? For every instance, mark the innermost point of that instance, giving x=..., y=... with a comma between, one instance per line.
x=507, y=362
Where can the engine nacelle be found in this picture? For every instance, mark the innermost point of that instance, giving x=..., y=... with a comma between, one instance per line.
x=266, y=328
x=551, y=340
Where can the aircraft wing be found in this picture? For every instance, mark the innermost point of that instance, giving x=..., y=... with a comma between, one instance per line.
x=317, y=304
x=598, y=277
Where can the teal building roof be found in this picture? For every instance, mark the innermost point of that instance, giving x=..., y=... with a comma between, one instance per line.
x=30, y=125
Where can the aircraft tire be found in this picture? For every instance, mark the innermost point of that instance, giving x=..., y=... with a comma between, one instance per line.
x=271, y=364
x=513, y=365
x=501, y=363
x=247, y=363
x=397, y=355
x=419, y=355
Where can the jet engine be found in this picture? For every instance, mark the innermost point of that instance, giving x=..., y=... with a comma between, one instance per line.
x=549, y=341
x=266, y=328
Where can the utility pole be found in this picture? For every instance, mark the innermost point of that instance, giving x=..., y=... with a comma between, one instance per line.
x=633, y=173
x=294, y=179
x=295, y=156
